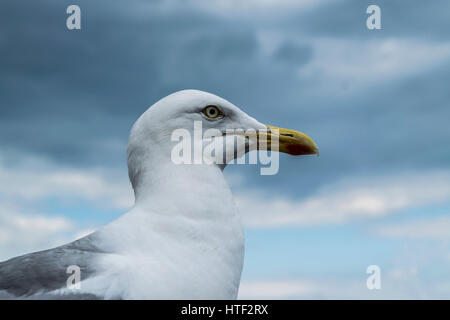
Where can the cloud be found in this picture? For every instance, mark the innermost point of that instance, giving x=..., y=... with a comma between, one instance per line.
x=25, y=230
x=395, y=284
x=406, y=279
x=344, y=19
x=432, y=228
x=294, y=54
x=277, y=289
x=357, y=64
x=37, y=183
x=250, y=7
x=347, y=200
x=24, y=191
x=76, y=104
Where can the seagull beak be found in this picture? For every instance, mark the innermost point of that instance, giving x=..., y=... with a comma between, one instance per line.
x=289, y=141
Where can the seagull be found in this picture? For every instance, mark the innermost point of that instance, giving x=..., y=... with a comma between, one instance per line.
x=183, y=238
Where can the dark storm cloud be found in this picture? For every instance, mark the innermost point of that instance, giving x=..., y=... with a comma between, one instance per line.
x=72, y=96
x=293, y=54
x=427, y=19
x=61, y=88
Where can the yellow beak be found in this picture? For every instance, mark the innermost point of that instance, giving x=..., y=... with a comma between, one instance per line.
x=287, y=141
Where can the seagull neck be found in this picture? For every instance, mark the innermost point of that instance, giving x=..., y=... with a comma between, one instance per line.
x=174, y=184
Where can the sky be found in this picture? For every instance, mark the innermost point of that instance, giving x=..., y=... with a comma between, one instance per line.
x=375, y=101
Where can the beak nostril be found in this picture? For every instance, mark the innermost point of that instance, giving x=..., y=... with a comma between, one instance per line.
x=293, y=142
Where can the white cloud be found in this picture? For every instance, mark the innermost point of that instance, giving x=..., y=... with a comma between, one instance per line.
x=435, y=228
x=347, y=200
x=354, y=64
x=395, y=284
x=248, y=8
x=26, y=231
x=34, y=184
x=277, y=289
x=237, y=9
x=23, y=228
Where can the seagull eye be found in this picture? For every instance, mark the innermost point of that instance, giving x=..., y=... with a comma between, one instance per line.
x=212, y=112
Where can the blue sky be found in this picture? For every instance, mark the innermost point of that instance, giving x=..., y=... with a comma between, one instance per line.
x=375, y=101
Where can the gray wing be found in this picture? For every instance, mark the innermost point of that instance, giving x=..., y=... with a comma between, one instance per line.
x=45, y=271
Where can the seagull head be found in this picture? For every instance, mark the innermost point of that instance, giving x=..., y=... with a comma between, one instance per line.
x=152, y=136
